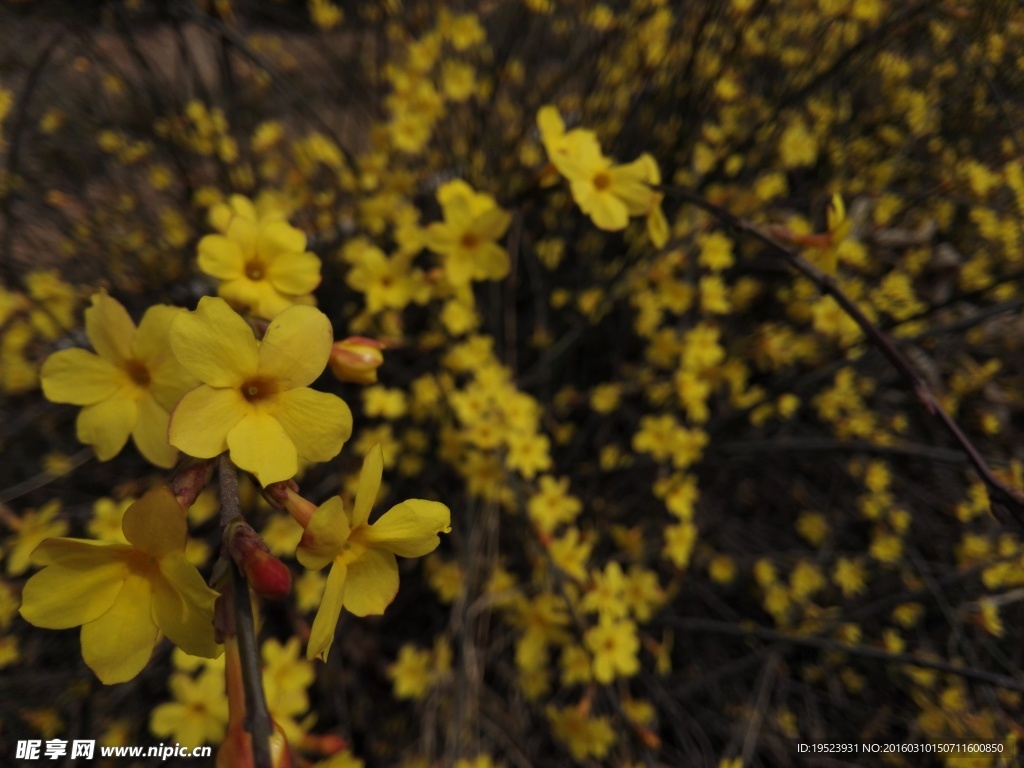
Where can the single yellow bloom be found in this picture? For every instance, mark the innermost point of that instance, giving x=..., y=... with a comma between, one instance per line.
x=254, y=398
x=609, y=194
x=261, y=260
x=364, y=576
x=127, y=387
x=467, y=238
x=34, y=528
x=125, y=595
x=199, y=712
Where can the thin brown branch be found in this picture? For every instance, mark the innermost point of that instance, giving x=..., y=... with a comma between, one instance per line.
x=1007, y=503
x=257, y=715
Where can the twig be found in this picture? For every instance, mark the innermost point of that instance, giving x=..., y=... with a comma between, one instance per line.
x=824, y=445
x=38, y=481
x=1007, y=504
x=257, y=715
x=824, y=644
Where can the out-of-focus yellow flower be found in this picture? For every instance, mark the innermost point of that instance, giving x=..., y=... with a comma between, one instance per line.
x=254, y=398
x=260, y=259
x=199, y=712
x=609, y=194
x=125, y=595
x=127, y=387
x=29, y=531
x=467, y=238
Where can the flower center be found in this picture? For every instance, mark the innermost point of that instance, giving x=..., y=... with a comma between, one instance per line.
x=470, y=240
x=602, y=181
x=254, y=390
x=254, y=270
x=138, y=373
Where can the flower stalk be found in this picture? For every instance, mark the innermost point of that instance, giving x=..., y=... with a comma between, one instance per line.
x=257, y=720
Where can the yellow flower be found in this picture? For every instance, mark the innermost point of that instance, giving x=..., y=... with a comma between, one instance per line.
x=125, y=595
x=386, y=282
x=467, y=238
x=615, y=645
x=364, y=576
x=199, y=712
x=254, y=398
x=609, y=194
x=128, y=387
x=412, y=672
x=261, y=260
x=31, y=529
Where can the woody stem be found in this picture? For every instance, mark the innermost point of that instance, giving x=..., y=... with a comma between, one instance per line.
x=257, y=715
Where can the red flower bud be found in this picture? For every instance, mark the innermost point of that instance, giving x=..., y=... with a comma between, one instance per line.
x=356, y=359
x=267, y=575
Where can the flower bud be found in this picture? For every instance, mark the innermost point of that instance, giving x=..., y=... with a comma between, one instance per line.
x=299, y=508
x=267, y=575
x=356, y=359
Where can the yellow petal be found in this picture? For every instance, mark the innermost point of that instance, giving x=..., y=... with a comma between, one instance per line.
x=106, y=425
x=152, y=342
x=150, y=434
x=294, y=273
x=549, y=121
x=156, y=523
x=372, y=583
x=491, y=262
x=317, y=423
x=200, y=423
x=245, y=232
x=79, y=377
x=492, y=224
x=605, y=209
x=440, y=237
x=325, y=535
x=657, y=227
x=215, y=344
x=279, y=237
x=183, y=607
x=109, y=328
x=296, y=347
x=326, y=622
x=410, y=529
x=221, y=258
x=629, y=184
x=79, y=553
x=118, y=644
x=61, y=597
x=369, y=484
x=260, y=445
